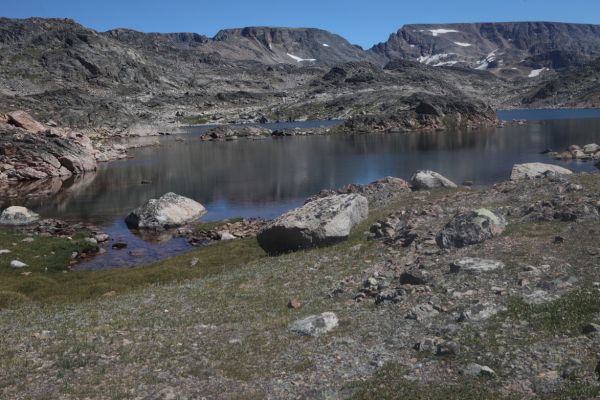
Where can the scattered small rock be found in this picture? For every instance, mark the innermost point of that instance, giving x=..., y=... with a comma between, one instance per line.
x=294, y=304
x=17, y=264
x=474, y=369
x=475, y=265
x=315, y=325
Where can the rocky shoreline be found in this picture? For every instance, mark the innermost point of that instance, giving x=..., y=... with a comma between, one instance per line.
x=486, y=293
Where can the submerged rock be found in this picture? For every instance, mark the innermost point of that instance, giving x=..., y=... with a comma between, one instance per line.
x=536, y=170
x=323, y=221
x=16, y=215
x=169, y=211
x=470, y=228
x=315, y=325
x=429, y=180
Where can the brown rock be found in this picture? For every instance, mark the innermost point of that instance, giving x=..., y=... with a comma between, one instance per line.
x=294, y=304
x=25, y=121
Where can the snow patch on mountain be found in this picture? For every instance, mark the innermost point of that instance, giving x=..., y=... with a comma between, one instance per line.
x=536, y=72
x=441, y=31
x=300, y=59
x=432, y=58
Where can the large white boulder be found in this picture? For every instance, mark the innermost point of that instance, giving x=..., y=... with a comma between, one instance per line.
x=320, y=222
x=535, y=170
x=169, y=211
x=16, y=215
x=429, y=180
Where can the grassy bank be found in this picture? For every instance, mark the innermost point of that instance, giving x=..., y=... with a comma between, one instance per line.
x=48, y=280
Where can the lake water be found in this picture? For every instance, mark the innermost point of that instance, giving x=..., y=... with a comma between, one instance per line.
x=264, y=178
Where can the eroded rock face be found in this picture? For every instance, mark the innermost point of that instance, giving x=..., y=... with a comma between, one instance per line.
x=26, y=156
x=315, y=325
x=169, y=211
x=16, y=215
x=470, y=228
x=320, y=222
x=536, y=170
x=429, y=180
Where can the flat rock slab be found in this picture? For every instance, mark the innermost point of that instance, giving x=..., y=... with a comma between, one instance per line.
x=16, y=215
x=315, y=325
x=475, y=265
x=25, y=121
x=536, y=170
x=320, y=222
x=169, y=211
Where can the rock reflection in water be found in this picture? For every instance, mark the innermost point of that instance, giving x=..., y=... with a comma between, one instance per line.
x=264, y=178
x=59, y=188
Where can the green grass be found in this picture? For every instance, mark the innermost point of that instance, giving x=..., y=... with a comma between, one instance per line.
x=565, y=315
x=49, y=281
x=389, y=382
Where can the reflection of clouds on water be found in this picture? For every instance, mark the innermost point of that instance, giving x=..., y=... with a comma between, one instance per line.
x=267, y=177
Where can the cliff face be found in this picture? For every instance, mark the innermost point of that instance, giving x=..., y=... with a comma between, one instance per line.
x=516, y=49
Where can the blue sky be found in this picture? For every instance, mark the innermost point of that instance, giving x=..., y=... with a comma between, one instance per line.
x=363, y=22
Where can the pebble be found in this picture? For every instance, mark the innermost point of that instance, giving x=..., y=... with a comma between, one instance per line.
x=294, y=304
x=474, y=369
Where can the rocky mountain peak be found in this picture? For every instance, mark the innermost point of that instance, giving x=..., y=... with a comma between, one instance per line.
x=513, y=49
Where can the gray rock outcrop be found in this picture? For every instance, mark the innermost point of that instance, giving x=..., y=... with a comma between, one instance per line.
x=469, y=228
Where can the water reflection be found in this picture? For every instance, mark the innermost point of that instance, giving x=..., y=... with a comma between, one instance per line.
x=264, y=178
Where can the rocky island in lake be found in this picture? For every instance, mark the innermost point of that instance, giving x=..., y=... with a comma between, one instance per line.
x=276, y=212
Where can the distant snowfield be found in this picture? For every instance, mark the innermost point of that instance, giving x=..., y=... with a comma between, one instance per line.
x=536, y=72
x=325, y=45
x=461, y=44
x=299, y=59
x=445, y=63
x=435, y=58
x=436, y=32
